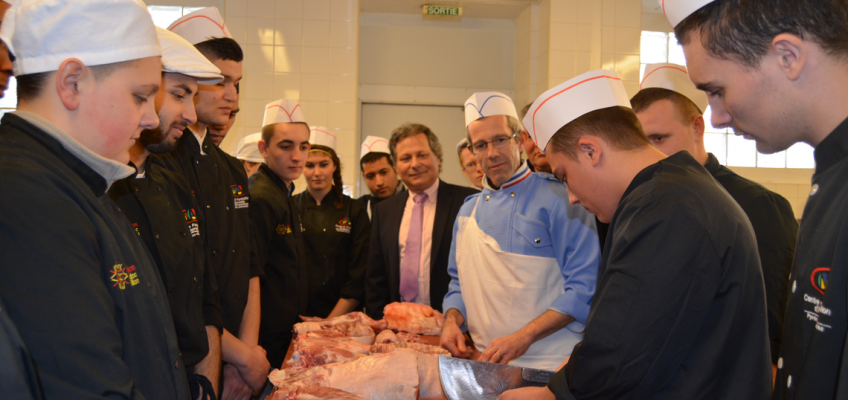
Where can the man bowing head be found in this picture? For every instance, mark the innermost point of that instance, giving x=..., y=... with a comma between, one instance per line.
x=523, y=261
x=679, y=311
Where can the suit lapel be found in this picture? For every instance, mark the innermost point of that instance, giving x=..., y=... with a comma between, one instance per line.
x=440, y=222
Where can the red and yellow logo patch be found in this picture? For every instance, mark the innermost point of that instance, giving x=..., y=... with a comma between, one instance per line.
x=283, y=229
x=123, y=276
x=819, y=279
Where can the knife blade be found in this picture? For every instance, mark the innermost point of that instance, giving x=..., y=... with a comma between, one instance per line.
x=474, y=380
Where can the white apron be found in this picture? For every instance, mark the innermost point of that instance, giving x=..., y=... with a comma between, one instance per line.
x=503, y=292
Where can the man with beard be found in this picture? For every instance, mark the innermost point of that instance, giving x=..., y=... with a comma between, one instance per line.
x=221, y=189
x=162, y=209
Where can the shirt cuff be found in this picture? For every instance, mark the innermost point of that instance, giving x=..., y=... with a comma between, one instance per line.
x=568, y=303
x=455, y=301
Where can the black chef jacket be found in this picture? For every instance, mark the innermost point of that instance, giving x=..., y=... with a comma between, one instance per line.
x=279, y=251
x=18, y=379
x=77, y=280
x=776, y=229
x=336, y=242
x=814, y=355
x=163, y=211
x=220, y=186
x=679, y=311
x=369, y=201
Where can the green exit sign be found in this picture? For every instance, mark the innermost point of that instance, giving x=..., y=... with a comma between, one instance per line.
x=441, y=11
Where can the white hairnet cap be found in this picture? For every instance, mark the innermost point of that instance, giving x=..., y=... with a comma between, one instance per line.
x=179, y=56
x=42, y=34
x=675, y=78
x=677, y=10
x=248, y=148
x=487, y=104
x=283, y=111
x=200, y=26
x=572, y=99
x=321, y=136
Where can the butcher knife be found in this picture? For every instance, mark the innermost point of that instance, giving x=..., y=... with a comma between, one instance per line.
x=476, y=380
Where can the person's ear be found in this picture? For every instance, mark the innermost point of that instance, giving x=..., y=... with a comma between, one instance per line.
x=263, y=148
x=72, y=74
x=589, y=149
x=697, y=126
x=791, y=52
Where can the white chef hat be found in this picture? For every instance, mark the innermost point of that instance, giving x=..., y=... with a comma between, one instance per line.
x=461, y=145
x=179, y=56
x=677, y=10
x=570, y=100
x=374, y=144
x=201, y=25
x=674, y=77
x=248, y=148
x=42, y=34
x=321, y=136
x=486, y=104
x=283, y=111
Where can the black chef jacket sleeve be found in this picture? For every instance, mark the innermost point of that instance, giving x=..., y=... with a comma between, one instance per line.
x=656, y=292
x=776, y=229
x=376, y=277
x=262, y=221
x=211, y=301
x=255, y=270
x=69, y=307
x=354, y=288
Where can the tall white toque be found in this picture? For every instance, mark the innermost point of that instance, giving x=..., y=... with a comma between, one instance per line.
x=179, y=56
x=674, y=77
x=486, y=104
x=283, y=111
x=201, y=25
x=569, y=100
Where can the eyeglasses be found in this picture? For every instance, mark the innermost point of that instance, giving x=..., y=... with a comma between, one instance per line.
x=499, y=143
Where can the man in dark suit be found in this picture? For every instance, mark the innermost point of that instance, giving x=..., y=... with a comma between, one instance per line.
x=411, y=232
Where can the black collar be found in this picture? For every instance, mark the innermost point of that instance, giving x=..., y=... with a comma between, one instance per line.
x=267, y=171
x=833, y=148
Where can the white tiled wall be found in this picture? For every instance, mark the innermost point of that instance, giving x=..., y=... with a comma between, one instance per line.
x=301, y=49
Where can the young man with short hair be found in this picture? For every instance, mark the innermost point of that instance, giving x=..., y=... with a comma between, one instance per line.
x=220, y=186
x=278, y=236
x=679, y=310
x=378, y=170
x=77, y=280
x=777, y=72
x=470, y=167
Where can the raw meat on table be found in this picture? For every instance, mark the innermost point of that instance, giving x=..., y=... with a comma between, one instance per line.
x=409, y=337
x=413, y=318
x=315, y=393
x=308, y=357
x=318, y=342
x=386, y=336
x=392, y=376
x=355, y=316
x=421, y=348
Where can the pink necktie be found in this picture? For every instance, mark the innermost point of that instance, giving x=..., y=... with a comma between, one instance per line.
x=412, y=251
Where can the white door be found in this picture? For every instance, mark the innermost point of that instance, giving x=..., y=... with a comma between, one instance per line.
x=447, y=122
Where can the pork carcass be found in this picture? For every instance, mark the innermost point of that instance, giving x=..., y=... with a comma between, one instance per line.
x=318, y=342
x=355, y=316
x=314, y=393
x=308, y=357
x=392, y=376
x=386, y=336
x=413, y=318
x=429, y=383
x=409, y=337
x=421, y=348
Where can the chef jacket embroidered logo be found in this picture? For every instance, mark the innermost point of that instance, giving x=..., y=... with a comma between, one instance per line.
x=283, y=229
x=124, y=276
x=191, y=220
x=240, y=200
x=819, y=279
x=135, y=225
x=343, y=226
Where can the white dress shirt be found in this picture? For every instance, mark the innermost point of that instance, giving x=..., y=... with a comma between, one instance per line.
x=426, y=240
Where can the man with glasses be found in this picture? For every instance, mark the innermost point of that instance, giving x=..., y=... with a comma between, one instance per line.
x=470, y=167
x=523, y=262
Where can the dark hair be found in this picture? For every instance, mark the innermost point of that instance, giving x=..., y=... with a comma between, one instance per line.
x=411, y=129
x=374, y=157
x=686, y=109
x=338, y=185
x=742, y=30
x=31, y=85
x=524, y=110
x=268, y=130
x=617, y=126
x=220, y=49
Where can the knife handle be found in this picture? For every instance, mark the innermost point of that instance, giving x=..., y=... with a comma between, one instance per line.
x=537, y=375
